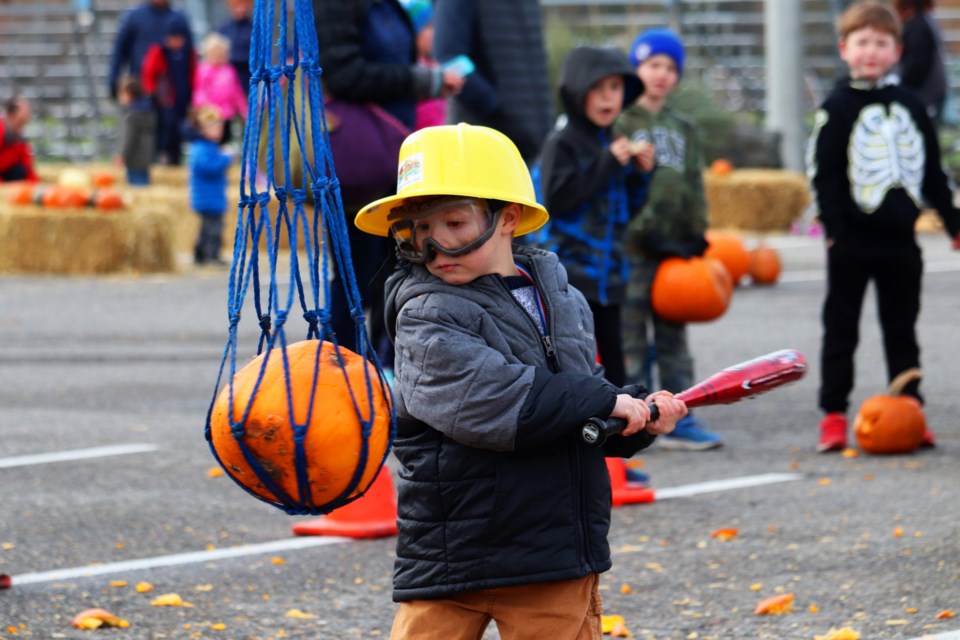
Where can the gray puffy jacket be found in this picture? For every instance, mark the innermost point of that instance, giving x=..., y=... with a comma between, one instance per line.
x=495, y=487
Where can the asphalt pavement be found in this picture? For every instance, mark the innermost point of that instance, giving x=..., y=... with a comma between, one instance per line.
x=104, y=483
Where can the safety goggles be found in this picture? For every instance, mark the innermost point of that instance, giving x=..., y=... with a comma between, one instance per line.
x=453, y=227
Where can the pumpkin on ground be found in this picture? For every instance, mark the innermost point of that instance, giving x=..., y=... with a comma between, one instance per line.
x=691, y=290
x=764, y=265
x=108, y=200
x=891, y=422
x=334, y=439
x=728, y=248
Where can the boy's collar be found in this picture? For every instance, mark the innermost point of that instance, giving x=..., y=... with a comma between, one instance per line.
x=888, y=80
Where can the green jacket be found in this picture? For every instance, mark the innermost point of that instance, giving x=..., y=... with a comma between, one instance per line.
x=675, y=213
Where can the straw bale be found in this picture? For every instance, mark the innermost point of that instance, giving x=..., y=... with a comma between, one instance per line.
x=756, y=199
x=83, y=241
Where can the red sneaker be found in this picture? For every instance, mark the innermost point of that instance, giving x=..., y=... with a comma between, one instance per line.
x=833, y=433
x=928, y=442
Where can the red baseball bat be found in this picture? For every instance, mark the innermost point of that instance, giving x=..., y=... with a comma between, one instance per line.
x=744, y=380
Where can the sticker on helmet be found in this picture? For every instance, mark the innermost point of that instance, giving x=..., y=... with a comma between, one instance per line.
x=410, y=171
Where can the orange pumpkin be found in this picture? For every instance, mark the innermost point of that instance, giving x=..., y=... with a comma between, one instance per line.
x=891, y=422
x=764, y=265
x=728, y=248
x=103, y=179
x=333, y=443
x=21, y=194
x=691, y=290
x=721, y=167
x=108, y=199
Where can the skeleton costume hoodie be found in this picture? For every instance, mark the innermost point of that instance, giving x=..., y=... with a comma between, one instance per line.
x=873, y=159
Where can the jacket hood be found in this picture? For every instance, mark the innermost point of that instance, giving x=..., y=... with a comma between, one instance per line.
x=583, y=67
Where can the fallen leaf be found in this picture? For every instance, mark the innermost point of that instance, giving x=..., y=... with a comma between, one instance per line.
x=756, y=586
x=814, y=609
x=96, y=618
x=776, y=605
x=607, y=622
x=839, y=634
x=946, y=613
x=219, y=626
x=169, y=600
x=824, y=482
x=898, y=532
x=910, y=610
x=203, y=587
x=724, y=534
x=6, y=546
x=118, y=583
x=214, y=472
x=849, y=453
x=144, y=587
x=299, y=615
x=895, y=623
x=277, y=560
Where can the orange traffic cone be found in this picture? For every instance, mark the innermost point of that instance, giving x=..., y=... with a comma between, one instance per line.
x=372, y=516
x=623, y=492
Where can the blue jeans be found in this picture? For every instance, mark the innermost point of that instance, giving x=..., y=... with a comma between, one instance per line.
x=138, y=177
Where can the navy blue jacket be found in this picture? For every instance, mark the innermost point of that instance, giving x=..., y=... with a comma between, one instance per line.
x=140, y=27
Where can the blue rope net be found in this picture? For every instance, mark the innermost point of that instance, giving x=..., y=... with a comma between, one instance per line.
x=286, y=104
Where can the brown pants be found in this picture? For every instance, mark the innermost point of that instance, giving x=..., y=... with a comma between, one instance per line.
x=567, y=610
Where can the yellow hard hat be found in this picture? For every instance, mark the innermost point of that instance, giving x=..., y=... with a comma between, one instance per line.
x=458, y=160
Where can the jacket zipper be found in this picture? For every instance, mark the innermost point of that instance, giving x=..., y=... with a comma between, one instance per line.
x=546, y=340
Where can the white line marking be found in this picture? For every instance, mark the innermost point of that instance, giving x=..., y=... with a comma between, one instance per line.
x=176, y=559
x=724, y=485
x=316, y=541
x=76, y=454
x=949, y=635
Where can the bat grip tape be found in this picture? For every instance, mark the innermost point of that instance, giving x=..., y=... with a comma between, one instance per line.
x=595, y=431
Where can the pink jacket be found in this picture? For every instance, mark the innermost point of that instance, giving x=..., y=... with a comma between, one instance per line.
x=219, y=85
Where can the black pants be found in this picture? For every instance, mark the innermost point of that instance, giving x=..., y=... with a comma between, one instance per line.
x=606, y=321
x=210, y=238
x=368, y=252
x=897, y=273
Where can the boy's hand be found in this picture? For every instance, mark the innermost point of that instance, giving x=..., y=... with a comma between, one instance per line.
x=621, y=150
x=671, y=410
x=645, y=154
x=634, y=411
x=452, y=83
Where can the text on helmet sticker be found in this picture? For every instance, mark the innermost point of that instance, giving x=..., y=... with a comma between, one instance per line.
x=410, y=171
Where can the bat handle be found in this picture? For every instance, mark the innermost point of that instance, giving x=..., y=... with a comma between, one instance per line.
x=596, y=430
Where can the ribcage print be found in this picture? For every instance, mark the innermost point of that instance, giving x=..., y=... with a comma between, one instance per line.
x=886, y=151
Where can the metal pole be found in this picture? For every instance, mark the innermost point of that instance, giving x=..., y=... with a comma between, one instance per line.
x=783, y=42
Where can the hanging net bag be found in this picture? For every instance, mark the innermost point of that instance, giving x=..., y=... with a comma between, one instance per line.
x=305, y=425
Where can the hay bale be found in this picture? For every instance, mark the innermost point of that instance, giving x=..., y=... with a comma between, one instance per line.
x=83, y=241
x=756, y=199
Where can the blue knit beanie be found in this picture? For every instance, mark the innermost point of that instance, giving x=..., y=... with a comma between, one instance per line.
x=654, y=42
x=420, y=12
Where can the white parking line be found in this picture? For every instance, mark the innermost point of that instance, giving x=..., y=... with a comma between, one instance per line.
x=949, y=635
x=176, y=559
x=76, y=454
x=724, y=485
x=316, y=541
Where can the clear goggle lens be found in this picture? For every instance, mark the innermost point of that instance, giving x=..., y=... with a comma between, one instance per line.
x=451, y=227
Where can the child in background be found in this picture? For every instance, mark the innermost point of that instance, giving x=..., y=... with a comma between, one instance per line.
x=672, y=223
x=208, y=185
x=167, y=74
x=430, y=111
x=503, y=510
x=216, y=83
x=591, y=183
x=873, y=160
x=138, y=131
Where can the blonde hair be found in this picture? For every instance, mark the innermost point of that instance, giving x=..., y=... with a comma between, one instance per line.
x=214, y=41
x=207, y=115
x=873, y=15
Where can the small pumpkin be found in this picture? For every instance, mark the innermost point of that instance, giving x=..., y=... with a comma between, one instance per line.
x=891, y=422
x=691, y=290
x=108, y=199
x=102, y=179
x=728, y=248
x=21, y=194
x=721, y=167
x=334, y=440
x=764, y=264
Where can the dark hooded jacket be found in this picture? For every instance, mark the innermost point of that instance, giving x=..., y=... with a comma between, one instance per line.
x=588, y=193
x=495, y=487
